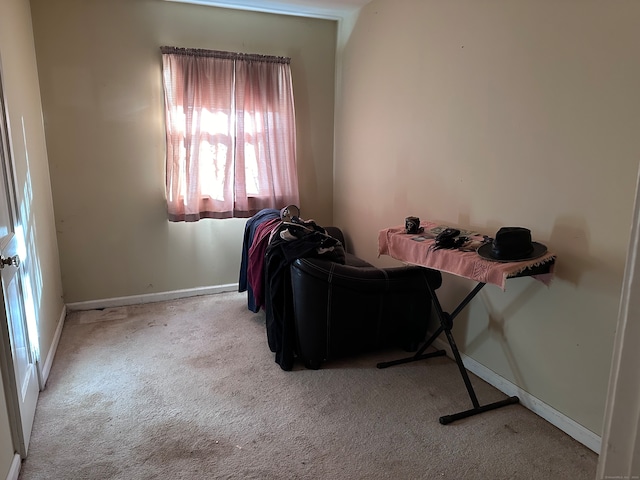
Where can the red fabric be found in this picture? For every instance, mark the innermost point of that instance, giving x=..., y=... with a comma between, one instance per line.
x=401, y=246
x=255, y=269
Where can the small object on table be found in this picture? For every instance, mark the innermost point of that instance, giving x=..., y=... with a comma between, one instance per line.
x=512, y=244
x=412, y=225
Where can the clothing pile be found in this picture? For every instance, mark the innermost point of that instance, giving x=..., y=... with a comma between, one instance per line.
x=272, y=242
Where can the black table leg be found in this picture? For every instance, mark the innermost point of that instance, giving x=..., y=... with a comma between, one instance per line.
x=477, y=408
x=419, y=355
x=447, y=419
x=446, y=324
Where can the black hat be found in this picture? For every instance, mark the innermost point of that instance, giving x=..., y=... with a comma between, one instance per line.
x=512, y=244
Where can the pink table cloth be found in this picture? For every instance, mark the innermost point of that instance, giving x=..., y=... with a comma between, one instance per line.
x=415, y=249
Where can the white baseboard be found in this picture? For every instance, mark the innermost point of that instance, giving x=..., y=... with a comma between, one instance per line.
x=537, y=406
x=45, y=368
x=14, y=471
x=151, y=297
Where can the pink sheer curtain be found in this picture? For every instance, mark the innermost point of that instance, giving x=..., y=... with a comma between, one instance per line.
x=231, y=138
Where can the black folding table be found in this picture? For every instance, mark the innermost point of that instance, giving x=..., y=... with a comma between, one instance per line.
x=410, y=249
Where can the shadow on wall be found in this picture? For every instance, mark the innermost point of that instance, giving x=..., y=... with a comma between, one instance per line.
x=570, y=241
x=497, y=326
x=578, y=263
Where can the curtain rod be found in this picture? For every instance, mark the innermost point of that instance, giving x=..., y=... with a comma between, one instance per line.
x=200, y=52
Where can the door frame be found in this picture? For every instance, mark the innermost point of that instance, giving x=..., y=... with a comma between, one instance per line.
x=620, y=451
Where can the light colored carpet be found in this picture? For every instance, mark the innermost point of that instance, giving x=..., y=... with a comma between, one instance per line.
x=188, y=389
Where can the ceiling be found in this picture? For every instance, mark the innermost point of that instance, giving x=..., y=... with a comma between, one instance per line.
x=333, y=9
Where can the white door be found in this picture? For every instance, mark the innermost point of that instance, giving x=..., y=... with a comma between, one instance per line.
x=17, y=361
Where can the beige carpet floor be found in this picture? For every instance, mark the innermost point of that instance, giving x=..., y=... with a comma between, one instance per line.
x=188, y=389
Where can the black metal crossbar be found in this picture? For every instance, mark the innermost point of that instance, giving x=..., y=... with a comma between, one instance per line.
x=446, y=324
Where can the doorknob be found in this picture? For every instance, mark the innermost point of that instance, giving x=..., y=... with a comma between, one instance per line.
x=15, y=261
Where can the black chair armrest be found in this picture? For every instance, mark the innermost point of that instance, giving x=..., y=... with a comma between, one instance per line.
x=368, y=277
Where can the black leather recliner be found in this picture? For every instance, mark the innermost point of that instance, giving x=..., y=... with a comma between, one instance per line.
x=342, y=310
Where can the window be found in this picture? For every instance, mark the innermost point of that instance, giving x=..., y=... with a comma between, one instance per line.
x=231, y=137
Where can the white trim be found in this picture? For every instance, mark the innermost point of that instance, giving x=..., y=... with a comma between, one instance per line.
x=14, y=471
x=537, y=406
x=45, y=369
x=151, y=297
x=620, y=455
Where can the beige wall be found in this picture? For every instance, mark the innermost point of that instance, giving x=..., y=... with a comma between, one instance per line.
x=40, y=259
x=99, y=65
x=495, y=113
